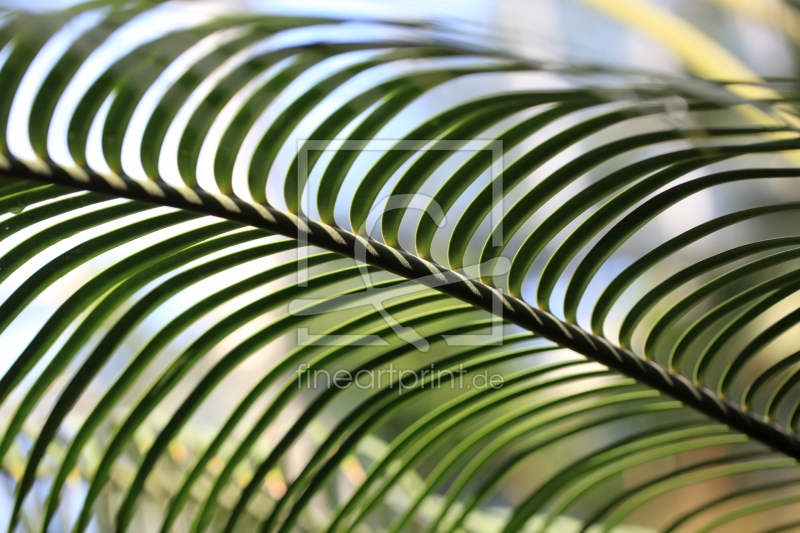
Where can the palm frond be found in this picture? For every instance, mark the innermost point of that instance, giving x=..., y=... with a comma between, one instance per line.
x=204, y=209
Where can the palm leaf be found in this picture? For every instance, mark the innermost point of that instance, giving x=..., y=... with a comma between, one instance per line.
x=195, y=225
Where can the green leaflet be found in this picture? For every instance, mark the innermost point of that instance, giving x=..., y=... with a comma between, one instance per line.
x=290, y=389
x=736, y=494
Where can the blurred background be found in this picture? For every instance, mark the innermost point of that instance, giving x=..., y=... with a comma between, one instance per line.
x=762, y=34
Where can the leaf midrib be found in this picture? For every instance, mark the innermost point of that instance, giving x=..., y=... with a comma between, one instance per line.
x=449, y=282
